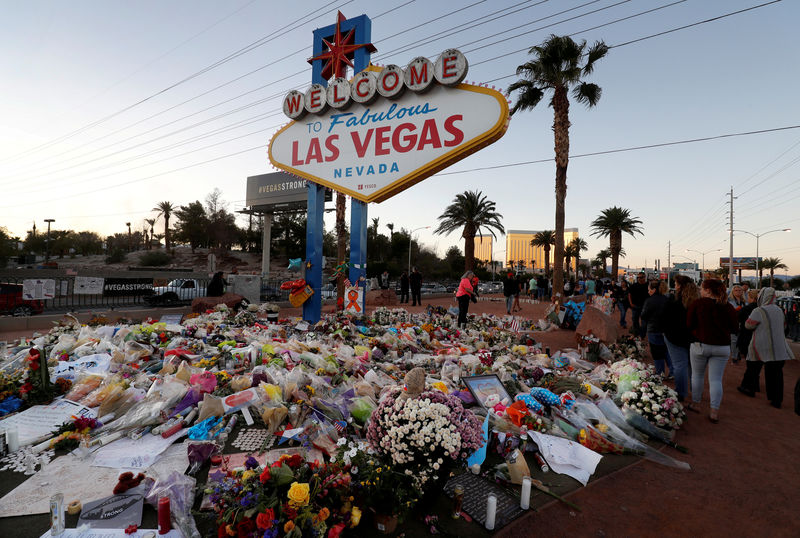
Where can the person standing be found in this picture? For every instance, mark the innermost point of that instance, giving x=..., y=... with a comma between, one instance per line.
x=520, y=288
x=620, y=296
x=711, y=320
x=541, y=287
x=768, y=347
x=465, y=294
x=637, y=295
x=404, y=287
x=384, y=280
x=533, y=286
x=676, y=332
x=510, y=287
x=415, y=281
x=652, y=313
x=590, y=290
x=737, y=301
x=216, y=287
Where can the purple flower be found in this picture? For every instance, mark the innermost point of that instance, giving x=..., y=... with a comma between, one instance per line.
x=251, y=463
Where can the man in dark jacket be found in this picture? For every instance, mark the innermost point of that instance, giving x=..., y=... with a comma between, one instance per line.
x=415, y=280
x=637, y=295
x=404, y=287
x=510, y=288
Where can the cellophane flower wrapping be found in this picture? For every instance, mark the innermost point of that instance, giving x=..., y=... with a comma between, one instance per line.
x=641, y=391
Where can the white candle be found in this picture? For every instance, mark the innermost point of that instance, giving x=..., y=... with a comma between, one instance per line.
x=525, y=497
x=476, y=468
x=491, y=509
x=12, y=439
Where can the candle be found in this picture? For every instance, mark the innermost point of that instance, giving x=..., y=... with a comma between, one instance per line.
x=491, y=509
x=476, y=468
x=12, y=439
x=164, y=525
x=525, y=497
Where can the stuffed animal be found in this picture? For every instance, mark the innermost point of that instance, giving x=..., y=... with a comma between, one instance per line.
x=495, y=405
x=127, y=481
x=415, y=383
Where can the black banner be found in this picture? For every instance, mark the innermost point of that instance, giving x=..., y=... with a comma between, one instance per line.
x=117, y=287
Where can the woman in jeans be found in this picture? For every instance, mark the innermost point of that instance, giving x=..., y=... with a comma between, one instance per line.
x=621, y=301
x=711, y=321
x=676, y=333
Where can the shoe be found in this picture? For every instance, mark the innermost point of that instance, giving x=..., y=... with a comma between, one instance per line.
x=670, y=377
x=746, y=392
x=693, y=407
x=713, y=419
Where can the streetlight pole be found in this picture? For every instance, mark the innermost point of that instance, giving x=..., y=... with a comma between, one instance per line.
x=758, y=236
x=704, y=255
x=130, y=241
x=410, y=241
x=47, y=244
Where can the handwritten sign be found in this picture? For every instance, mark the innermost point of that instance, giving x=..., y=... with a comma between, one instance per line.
x=39, y=420
x=88, y=285
x=34, y=289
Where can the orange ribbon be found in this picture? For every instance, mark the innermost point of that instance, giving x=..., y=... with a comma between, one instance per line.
x=352, y=296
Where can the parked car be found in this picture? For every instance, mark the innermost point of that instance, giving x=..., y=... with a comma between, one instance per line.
x=786, y=304
x=180, y=290
x=328, y=291
x=11, y=302
x=488, y=288
x=432, y=288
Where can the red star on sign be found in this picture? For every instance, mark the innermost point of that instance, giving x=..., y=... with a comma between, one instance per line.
x=340, y=51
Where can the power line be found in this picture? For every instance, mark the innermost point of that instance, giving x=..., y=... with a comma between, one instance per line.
x=236, y=54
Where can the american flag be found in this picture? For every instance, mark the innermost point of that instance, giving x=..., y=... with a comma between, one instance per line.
x=347, y=283
x=340, y=425
x=514, y=325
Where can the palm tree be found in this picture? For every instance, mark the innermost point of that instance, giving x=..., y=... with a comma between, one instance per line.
x=611, y=223
x=391, y=230
x=152, y=223
x=165, y=209
x=558, y=65
x=578, y=245
x=602, y=256
x=473, y=212
x=772, y=264
x=545, y=239
x=569, y=253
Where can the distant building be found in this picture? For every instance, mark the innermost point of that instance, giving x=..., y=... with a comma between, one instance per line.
x=483, y=248
x=518, y=247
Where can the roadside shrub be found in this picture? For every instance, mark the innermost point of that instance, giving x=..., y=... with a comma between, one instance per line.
x=117, y=256
x=155, y=258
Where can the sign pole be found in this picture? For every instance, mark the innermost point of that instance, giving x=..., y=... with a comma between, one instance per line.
x=358, y=246
x=312, y=308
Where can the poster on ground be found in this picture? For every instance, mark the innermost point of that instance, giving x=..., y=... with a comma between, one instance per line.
x=88, y=285
x=38, y=289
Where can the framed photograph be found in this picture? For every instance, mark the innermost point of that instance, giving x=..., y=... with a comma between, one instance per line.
x=484, y=386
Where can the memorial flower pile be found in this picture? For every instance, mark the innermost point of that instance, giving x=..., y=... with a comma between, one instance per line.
x=424, y=434
x=640, y=389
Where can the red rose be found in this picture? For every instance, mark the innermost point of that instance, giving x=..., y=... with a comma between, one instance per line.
x=26, y=388
x=221, y=532
x=295, y=461
x=288, y=511
x=336, y=530
x=265, y=475
x=34, y=364
x=244, y=528
x=264, y=520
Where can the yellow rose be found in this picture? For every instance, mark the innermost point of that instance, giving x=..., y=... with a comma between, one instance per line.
x=247, y=475
x=355, y=517
x=298, y=494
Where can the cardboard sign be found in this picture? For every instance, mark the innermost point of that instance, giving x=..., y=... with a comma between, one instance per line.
x=117, y=511
x=354, y=300
x=88, y=285
x=40, y=420
x=89, y=364
x=239, y=399
x=38, y=289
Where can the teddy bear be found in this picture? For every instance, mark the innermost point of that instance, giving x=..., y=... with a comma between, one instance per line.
x=495, y=405
x=414, y=383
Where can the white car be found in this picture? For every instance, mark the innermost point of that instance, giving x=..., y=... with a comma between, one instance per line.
x=178, y=291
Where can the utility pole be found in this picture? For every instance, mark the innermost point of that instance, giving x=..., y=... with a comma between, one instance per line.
x=47, y=245
x=669, y=255
x=730, y=256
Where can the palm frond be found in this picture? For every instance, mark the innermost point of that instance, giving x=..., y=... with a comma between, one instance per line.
x=587, y=93
x=596, y=52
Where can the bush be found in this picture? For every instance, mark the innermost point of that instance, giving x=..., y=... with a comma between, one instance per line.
x=155, y=259
x=117, y=256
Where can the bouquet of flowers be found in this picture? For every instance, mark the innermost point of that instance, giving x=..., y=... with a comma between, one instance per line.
x=288, y=498
x=627, y=347
x=656, y=402
x=422, y=435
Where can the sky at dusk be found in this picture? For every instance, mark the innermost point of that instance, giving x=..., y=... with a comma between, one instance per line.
x=109, y=107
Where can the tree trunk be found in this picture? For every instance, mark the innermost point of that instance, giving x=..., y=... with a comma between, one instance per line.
x=469, y=247
x=547, y=261
x=615, y=245
x=771, y=278
x=561, y=136
x=166, y=232
x=341, y=246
